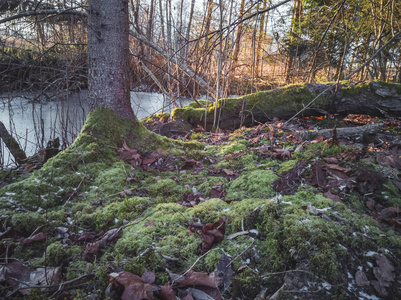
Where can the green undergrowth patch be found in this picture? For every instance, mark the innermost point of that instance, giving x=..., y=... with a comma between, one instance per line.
x=252, y=184
x=161, y=212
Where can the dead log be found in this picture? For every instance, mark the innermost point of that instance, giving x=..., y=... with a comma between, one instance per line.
x=12, y=145
x=347, y=132
x=370, y=98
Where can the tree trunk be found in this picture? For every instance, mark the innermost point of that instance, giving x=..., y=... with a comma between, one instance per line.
x=374, y=98
x=238, y=37
x=108, y=53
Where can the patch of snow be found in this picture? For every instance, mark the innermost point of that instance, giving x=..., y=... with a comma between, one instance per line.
x=369, y=264
x=226, y=209
x=326, y=285
x=365, y=296
x=10, y=194
x=254, y=231
x=370, y=253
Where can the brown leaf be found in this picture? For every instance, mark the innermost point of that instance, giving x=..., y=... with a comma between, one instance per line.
x=384, y=274
x=361, y=279
x=90, y=250
x=35, y=238
x=148, y=160
x=148, y=277
x=332, y=196
x=318, y=176
x=167, y=292
x=212, y=234
x=89, y=236
x=201, y=279
x=134, y=287
x=130, y=156
x=390, y=212
x=150, y=223
x=370, y=203
x=217, y=192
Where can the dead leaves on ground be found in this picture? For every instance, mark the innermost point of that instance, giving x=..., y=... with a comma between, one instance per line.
x=190, y=285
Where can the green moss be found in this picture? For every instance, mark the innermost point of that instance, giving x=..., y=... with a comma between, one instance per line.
x=396, y=86
x=188, y=113
x=212, y=259
x=353, y=90
x=27, y=222
x=168, y=190
x=57, y=217
x=246, y=285
x=210, y=210
x=318, y=149
x=391, y=193
x=240, y=145
x=115, y=213
x=287, y=165
x=208, y=183
x=159, y=117
x=354, y=201
x=252, y=184
x=56, y=253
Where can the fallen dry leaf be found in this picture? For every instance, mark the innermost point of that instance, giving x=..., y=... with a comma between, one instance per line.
x=201, y=279
x=134, y=287
x=383, y=273
x=90, y=250
x=149, y=277
x=167, y=292
x=212, y=234
x=130, y=156
x=35, y=238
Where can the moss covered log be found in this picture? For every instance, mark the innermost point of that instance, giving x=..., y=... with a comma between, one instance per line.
x=373, y=98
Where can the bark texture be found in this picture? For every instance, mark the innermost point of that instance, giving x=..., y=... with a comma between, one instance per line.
x=108, y=54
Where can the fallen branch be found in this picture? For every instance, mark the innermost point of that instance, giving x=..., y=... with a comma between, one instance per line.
x=12, y=145
x=347, y=132
x=49, y=286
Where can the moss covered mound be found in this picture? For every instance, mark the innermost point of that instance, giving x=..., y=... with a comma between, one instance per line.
x=284, y=236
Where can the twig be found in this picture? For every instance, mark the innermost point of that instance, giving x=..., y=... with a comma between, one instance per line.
x=240, y=253
x=193, y=265
x=49, y=286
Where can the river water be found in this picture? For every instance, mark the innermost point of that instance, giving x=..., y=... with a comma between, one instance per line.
x=34, y=124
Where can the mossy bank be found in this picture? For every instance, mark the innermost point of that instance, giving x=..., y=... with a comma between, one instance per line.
x=302, y=245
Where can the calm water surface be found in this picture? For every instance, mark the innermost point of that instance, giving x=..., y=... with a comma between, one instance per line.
x=33, y=124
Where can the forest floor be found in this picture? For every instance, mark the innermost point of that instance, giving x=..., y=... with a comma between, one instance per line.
x=255, y=213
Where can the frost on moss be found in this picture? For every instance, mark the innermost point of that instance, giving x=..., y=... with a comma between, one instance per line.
x=252, y=184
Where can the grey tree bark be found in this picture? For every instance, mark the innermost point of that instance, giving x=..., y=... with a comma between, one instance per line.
x=108, y=54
